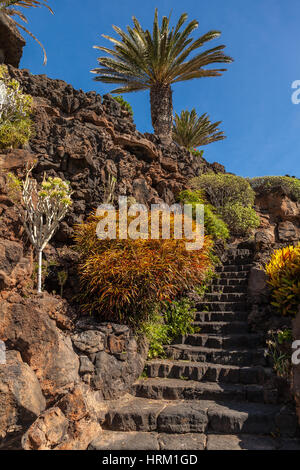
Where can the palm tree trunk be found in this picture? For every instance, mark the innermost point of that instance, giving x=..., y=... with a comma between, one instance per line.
x=162, y=110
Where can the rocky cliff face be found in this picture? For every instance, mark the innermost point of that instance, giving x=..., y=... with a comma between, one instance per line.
x=280, y=218
x=280, y=226
x=84, y=138
x=11, y=42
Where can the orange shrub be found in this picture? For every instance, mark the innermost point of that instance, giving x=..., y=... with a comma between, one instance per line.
x=122, y=280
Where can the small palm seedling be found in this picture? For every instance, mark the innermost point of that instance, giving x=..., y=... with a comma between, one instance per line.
x=62, y=277
x=190, y=131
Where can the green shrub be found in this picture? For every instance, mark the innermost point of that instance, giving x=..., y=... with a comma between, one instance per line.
x=15, y=134
x=179, y=316
x=192, y=197
x=213, y=224
x=279, y=350
x=240, y=219
x=15, y=111
x=176, y=319
x=157, y=333
x=197, y=153
x=291, y=186
x=124, y=104
x=223, y=189
x=233, y=199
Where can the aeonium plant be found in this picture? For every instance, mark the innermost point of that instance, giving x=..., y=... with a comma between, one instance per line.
x=42, y=208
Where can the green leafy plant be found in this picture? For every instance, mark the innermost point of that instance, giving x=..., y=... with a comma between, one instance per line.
x=7, y=7
x=279, y=350
x=197, y=153
x=241, y=220
x=124, y=104
x=15, y=112
x=223, y=189
x=287, y=184
x=15, y=134
x=233, y=198
x=175, y=320
x=284, y=336
x=213, y=224
x=201, y=290
x=189, y=130
x=157, y=333
x=179, y=316
x=144, y=374
x=143, y=60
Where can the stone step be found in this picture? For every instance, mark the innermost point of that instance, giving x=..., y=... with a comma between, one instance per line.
x=237, y=252
x=233, y=341
x=182, y=389
x=249, y=442
x=233, y=275
x=220, y=316
x=224, y=289
x=138, y=440
x=225, y=297
x=221, y=306
x=219, y=327
x=117, y=440
x=237, y=357
x=230, y=282
x=236, y=260
x=233, y=268
x=205, y=416
x=199, y=371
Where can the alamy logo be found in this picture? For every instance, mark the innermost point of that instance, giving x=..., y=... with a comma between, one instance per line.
x=160, y=222
x=2, y=352
x=296, y=94
x=296, y=354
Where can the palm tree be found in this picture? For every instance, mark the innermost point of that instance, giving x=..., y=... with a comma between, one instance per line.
x=7, y=7
x=141, y=61
x=191, y=131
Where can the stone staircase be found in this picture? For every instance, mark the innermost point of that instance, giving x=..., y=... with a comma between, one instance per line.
x=212, y=392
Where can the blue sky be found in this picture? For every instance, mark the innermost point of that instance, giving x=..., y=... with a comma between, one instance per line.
x=253, y=98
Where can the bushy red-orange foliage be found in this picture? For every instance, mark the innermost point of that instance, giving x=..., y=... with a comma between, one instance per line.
x=122, y=280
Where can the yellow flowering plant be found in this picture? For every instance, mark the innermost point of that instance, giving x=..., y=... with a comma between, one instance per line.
x=283, y=271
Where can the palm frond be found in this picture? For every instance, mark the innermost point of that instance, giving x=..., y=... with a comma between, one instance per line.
x=25, y=4
x=7, y=7
x=191, y=131
x=33, y=37
x=160, y=57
